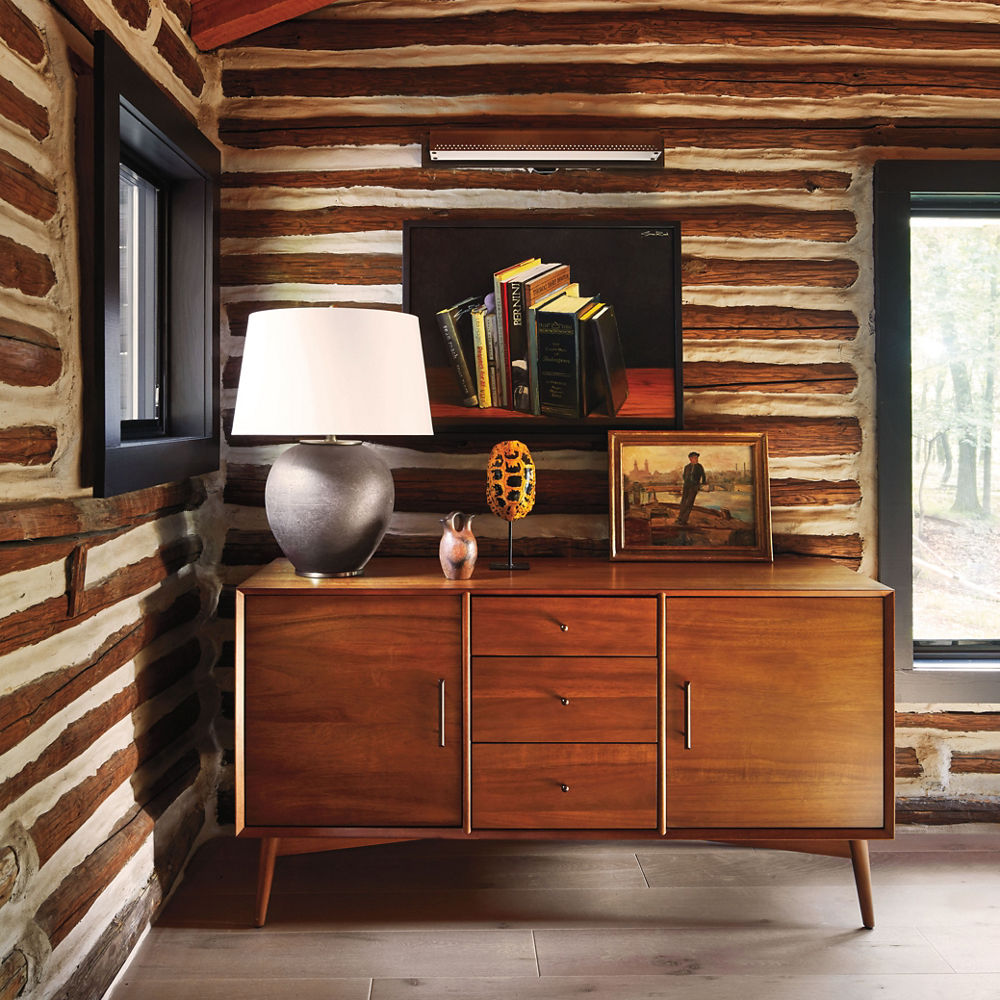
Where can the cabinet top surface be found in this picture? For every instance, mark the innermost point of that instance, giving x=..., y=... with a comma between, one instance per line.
x=566, y=576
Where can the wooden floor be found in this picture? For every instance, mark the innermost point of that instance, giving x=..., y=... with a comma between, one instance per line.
x=519, y=921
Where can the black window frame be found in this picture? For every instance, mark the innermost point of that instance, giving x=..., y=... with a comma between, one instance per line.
x=902, y=189
x=134, y=121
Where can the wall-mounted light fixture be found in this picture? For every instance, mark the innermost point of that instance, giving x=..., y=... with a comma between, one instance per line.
x=484, y=147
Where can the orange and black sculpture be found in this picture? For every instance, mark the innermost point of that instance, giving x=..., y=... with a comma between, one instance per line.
x=510, y=490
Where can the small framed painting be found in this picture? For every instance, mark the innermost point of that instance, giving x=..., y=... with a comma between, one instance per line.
x=689, y=496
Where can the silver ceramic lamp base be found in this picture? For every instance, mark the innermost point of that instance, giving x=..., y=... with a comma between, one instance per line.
x=329, y=504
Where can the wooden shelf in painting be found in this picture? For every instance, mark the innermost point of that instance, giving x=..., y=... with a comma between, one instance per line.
x=650, y=400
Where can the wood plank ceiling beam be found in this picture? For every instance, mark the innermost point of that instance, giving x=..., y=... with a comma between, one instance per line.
x=216, y=22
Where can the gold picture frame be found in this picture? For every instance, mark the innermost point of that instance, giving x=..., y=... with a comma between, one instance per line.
x=689, y=496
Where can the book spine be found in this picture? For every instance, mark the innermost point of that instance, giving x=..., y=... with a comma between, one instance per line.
x=517, y=346
x=453, y=347
x=545, y=284
x=532, y=338
x=491, y=354
x=558, y=364
x=501, y=350
x=482, y=358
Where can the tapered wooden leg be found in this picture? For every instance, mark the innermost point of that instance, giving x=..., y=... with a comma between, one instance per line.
x=863, y=880
x=265, y=876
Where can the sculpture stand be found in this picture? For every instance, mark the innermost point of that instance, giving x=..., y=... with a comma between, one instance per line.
x=509, y=564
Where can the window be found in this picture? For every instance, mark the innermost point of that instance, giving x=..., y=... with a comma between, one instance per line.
x=937, y=278
x=140, y=293
x=154, y=403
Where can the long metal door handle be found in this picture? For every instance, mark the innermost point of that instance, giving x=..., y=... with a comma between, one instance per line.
x=441, y=712
x=687, y=715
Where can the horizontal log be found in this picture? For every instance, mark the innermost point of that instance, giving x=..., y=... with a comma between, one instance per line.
x=951, y=722
x=749, y=221
x=20, y=34
x=13, y=975
x=737, y=79
x=16, y=558
x=74, y=896
x=94, y=973
x=9, y=869
x=907, y=763
x=837, y=273
x=53, y=828
x=786, y=436
x=23, y=111
x=24, y=187
x=735, y=132
x=59, y=518
x=82, y=733
x=26, y=446
x=766, y=323
x=136, y=12
x=43, y=620
x=257, y=548
x=238, y=312
x=933, y=811
x=843, y=547
x=25, y=270
x=381, y=269
x=26, y=364
x=181, y=9
x=179, y=59
x=25, y=709
x=640, y=27
x=577, y=181
x=739, y=376
x=983, y=762
x=310, y=268
x=559, y=491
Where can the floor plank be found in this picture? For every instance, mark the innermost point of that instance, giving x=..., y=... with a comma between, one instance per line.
x=515, y=920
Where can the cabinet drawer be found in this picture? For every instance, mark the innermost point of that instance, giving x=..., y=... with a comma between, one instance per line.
x=563, y=699
x=564, y=626
x=520, y=787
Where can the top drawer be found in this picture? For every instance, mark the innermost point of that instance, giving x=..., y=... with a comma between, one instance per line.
x=564, y=626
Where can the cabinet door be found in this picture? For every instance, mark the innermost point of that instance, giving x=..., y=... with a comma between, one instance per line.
x=342, y=711
x=782, y=700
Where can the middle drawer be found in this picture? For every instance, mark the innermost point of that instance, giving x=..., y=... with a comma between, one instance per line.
x=567, y=699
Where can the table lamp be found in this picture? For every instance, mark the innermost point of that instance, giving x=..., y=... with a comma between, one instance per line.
x=328, y=371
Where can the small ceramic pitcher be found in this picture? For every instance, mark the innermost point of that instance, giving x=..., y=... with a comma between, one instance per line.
x=458, y=548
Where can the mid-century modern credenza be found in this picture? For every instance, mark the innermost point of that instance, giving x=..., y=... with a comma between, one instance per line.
x=735, y=702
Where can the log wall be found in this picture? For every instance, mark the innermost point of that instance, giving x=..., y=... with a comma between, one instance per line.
x=106, y=760
x=772, y=116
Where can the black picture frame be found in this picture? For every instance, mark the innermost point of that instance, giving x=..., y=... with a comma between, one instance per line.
x=635, y=264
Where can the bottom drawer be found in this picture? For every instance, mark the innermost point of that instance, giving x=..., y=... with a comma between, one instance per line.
x=548, y=786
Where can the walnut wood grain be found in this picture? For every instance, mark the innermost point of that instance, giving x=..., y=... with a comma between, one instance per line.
x=767, y=323
x=349, y=687
x=563, y=626
x=545, y=786
x=20, y=109
x=786, y=712
x=576, y=699
x=310, y=268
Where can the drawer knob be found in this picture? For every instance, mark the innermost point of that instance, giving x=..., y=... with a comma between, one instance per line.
x=565, y=628
x=565, y=788
x=565, y=701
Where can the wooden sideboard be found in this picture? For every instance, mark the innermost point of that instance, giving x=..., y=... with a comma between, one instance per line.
x=739, y=702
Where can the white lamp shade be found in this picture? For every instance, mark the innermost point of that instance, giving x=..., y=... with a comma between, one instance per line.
x=330, y=371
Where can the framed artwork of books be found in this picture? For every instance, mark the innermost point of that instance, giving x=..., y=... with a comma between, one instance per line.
x=689, y=496
x=574, y=325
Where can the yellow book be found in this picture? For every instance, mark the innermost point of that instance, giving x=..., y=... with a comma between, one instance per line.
x=481, y=356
